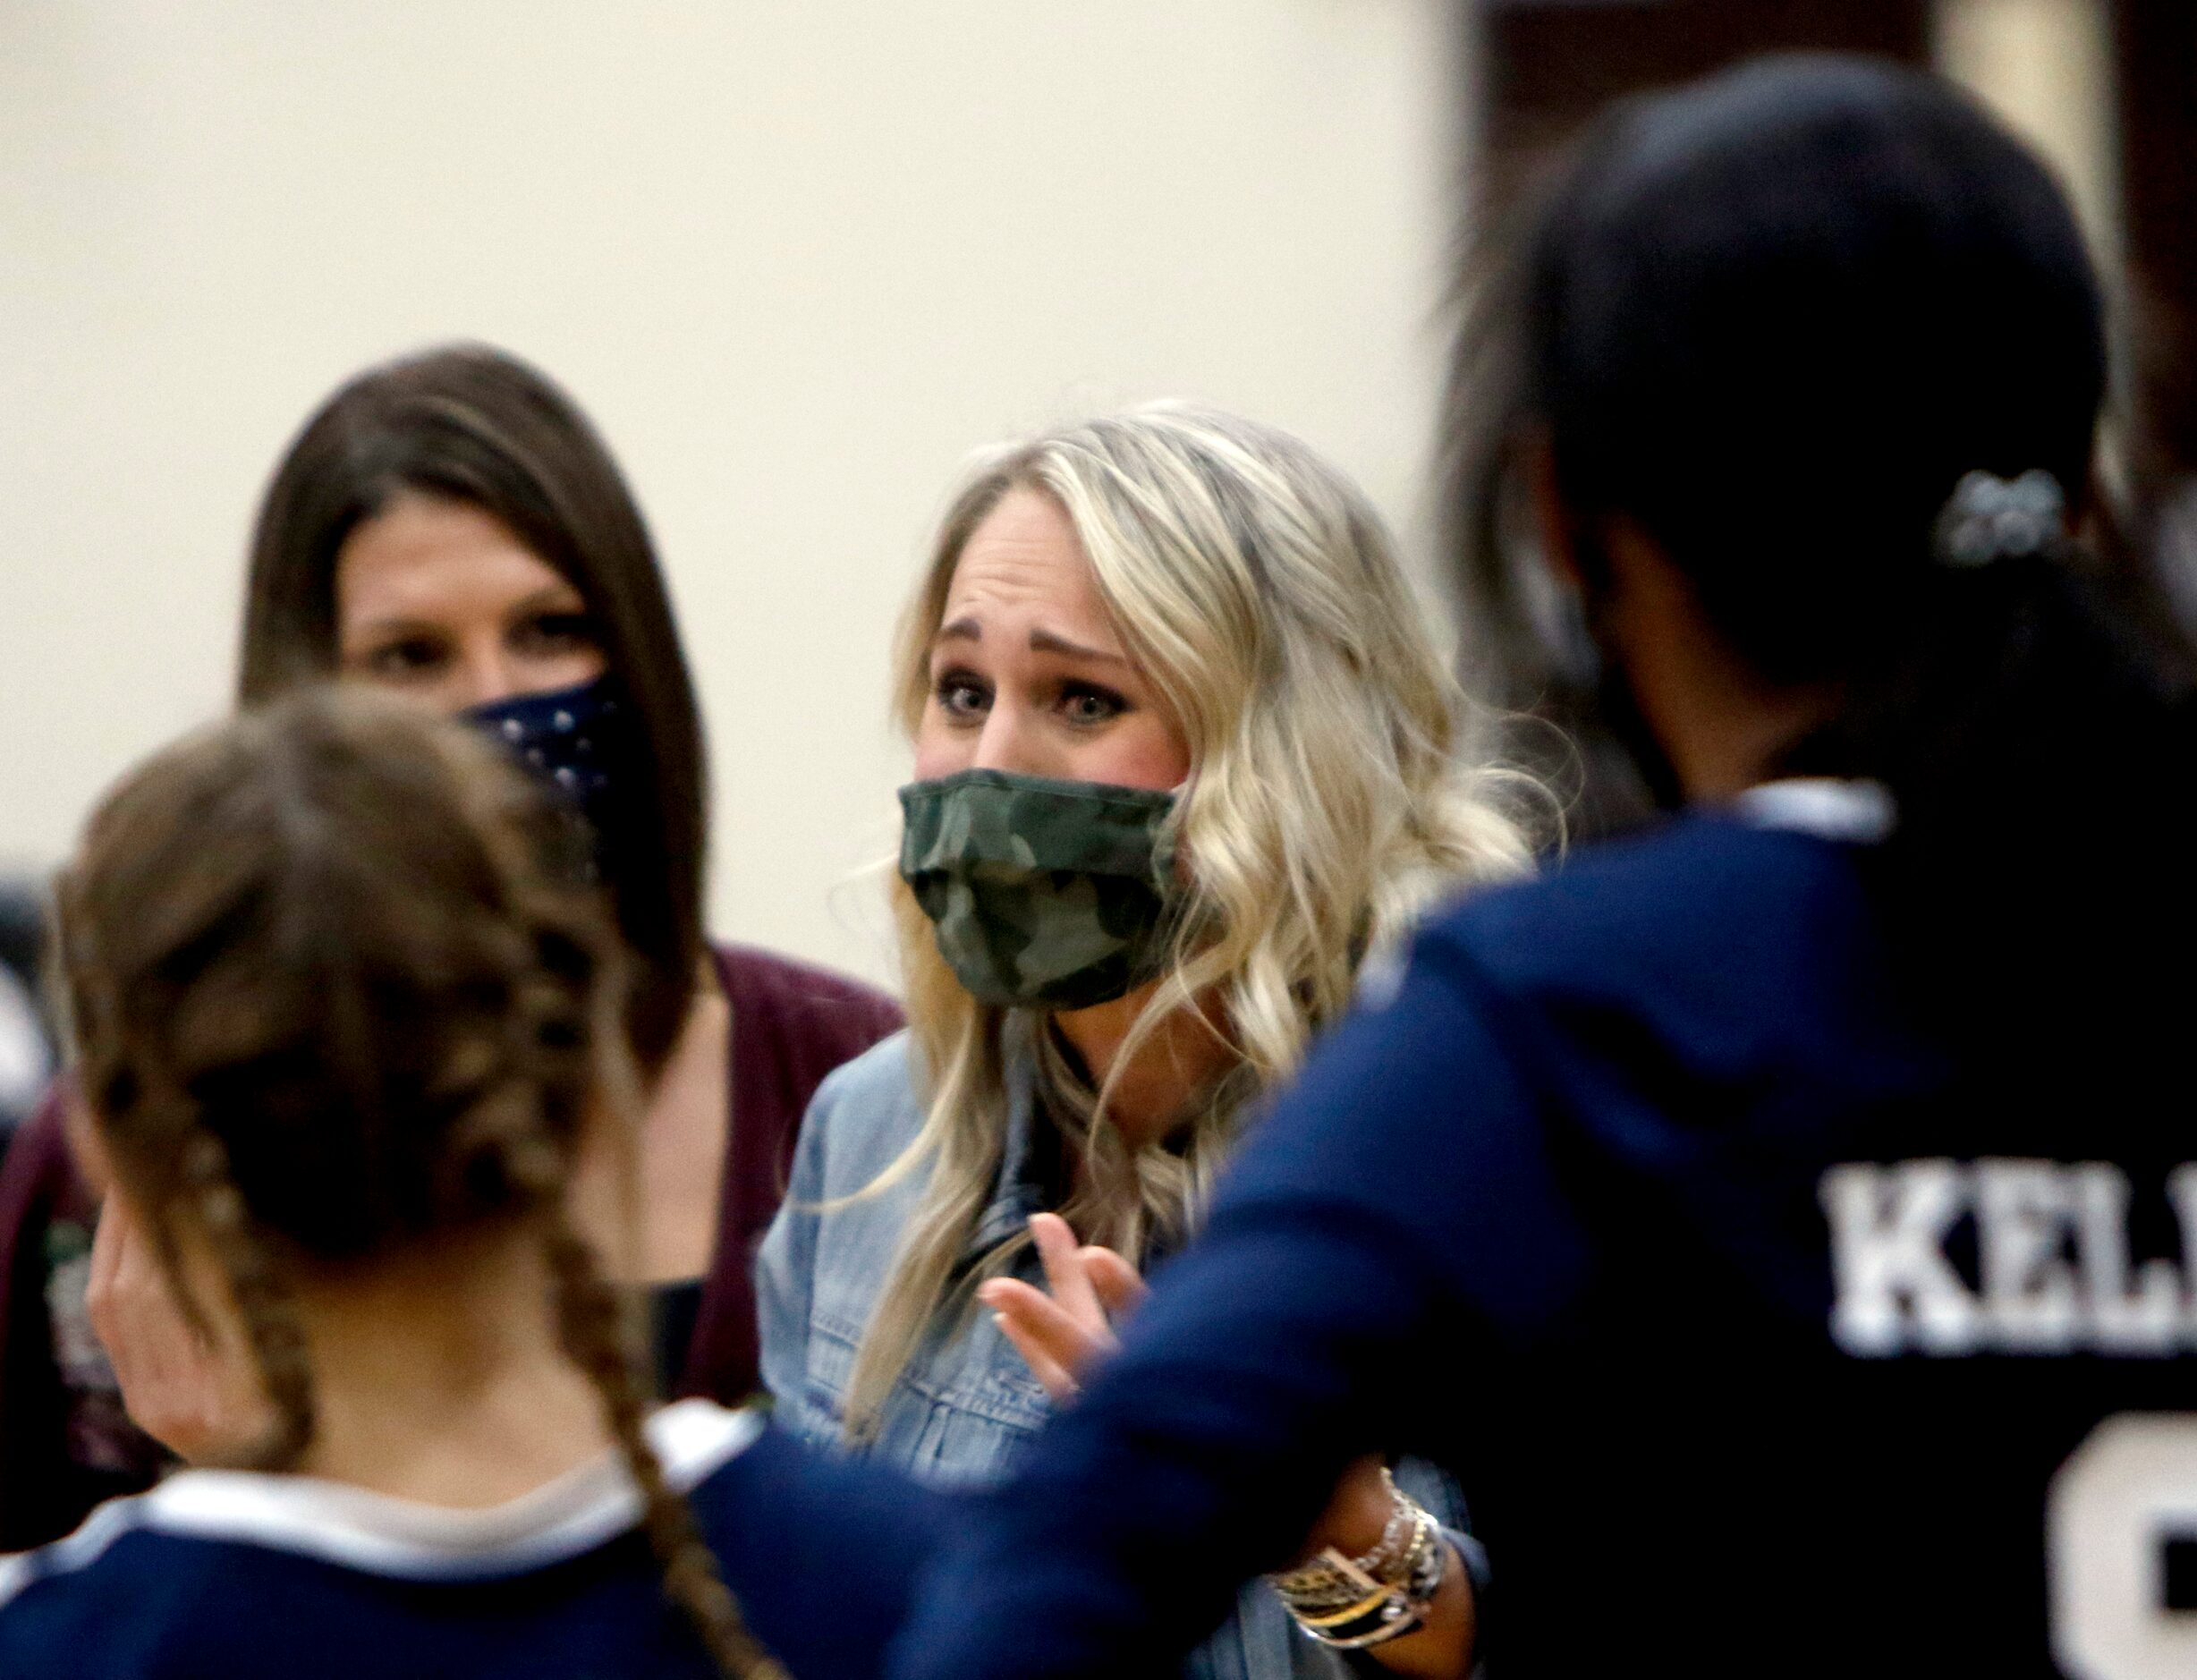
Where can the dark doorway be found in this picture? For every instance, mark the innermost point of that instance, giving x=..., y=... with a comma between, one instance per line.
x=2156, y=50
x=1548, y=65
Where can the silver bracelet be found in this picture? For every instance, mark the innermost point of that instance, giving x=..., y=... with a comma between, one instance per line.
x=1330, y=1579
x=1351, y=1603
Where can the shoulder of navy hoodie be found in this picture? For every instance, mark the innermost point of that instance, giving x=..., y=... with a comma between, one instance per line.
x=821, y=1551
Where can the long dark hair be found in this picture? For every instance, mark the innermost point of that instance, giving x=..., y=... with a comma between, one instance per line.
x=1773, y=319
x=338, y=993
x=473, y=424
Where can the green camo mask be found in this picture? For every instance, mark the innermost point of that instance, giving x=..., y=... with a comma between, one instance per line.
x=1044, y=893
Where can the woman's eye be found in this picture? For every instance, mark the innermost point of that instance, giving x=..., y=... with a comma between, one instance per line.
x=1087, y=703
x=557, y=633
x=961, y=696
x=412, y=657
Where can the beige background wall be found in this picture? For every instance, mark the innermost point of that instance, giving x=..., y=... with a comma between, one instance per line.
x=797, y=257
x=2046, y=67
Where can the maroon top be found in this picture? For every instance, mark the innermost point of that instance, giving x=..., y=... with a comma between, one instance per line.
x=64, y=1441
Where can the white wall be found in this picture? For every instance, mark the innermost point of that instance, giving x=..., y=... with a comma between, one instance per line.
x=2046, y=66
x=797, y=257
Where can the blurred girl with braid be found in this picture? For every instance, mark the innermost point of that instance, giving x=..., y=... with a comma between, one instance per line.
x=450, y=527
x=348, y=1024
x=1186, y=759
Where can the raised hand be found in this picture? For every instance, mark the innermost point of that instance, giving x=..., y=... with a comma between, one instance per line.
x=1062, y=1334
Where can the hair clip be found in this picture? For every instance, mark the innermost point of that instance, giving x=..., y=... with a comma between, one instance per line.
x=1987, y=518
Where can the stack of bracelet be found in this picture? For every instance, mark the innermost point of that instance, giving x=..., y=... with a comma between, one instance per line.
x=1354, y=1602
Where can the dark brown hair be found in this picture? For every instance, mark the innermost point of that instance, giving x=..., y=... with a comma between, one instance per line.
x=1774, y=317
x=472, y=424
x=338, y=989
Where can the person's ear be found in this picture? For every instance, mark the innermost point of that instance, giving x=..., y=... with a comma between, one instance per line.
x=1556, y=531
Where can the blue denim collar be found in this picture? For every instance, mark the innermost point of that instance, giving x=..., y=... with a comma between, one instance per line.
x=1020, y=1190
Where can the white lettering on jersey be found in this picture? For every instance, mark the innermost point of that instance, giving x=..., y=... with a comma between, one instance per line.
x=2153, y=1316
x=1887, y=1228
x=2109, y=1511
x=2023, y=1210
x=2054, y=1273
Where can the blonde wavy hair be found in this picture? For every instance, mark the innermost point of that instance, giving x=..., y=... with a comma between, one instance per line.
x=1326, y=804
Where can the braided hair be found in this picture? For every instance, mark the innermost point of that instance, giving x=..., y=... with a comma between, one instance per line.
x=338, y=987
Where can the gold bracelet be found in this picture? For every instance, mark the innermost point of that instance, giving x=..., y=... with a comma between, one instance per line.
x=1348, y=1604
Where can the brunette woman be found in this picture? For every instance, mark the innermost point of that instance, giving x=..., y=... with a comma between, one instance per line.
x=350, y=1017
x=450, y=528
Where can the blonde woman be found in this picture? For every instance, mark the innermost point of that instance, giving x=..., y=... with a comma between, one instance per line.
x=1185, y=757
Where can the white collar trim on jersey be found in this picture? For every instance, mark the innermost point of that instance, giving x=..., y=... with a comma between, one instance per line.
x=1829, y=807
x=402, y=1538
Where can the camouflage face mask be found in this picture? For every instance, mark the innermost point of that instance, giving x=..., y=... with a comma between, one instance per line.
x=1043, y=893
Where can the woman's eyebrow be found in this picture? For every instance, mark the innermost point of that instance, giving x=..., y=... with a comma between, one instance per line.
x=400, y=623
x=1041, y=641
x=555, y=595
x=1046, y=641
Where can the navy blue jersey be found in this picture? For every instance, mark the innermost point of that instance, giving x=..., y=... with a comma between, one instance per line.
x=1771, y=1326
x=226, y=1575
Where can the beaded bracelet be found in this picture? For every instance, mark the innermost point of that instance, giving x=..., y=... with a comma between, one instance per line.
x=1350, y=1603
x=1330, y=1580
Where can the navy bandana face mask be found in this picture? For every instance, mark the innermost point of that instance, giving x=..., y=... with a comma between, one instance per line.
x=575, y=738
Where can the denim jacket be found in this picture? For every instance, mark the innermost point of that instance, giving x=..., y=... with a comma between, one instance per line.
x=967, y=1404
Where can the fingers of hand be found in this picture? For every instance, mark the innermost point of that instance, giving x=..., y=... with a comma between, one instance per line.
x=1119, y=1285
x=1039, y=1330
x=106, y=1246
x=84, y=1146
x=122, y=1267
x=1059, y=1382
x=1063, y=1270
x=170, y=1378
x=1038, y=1324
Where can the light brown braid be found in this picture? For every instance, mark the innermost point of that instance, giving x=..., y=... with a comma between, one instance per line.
x=596, y=1322
x=272, y=1330
x=338, y=989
